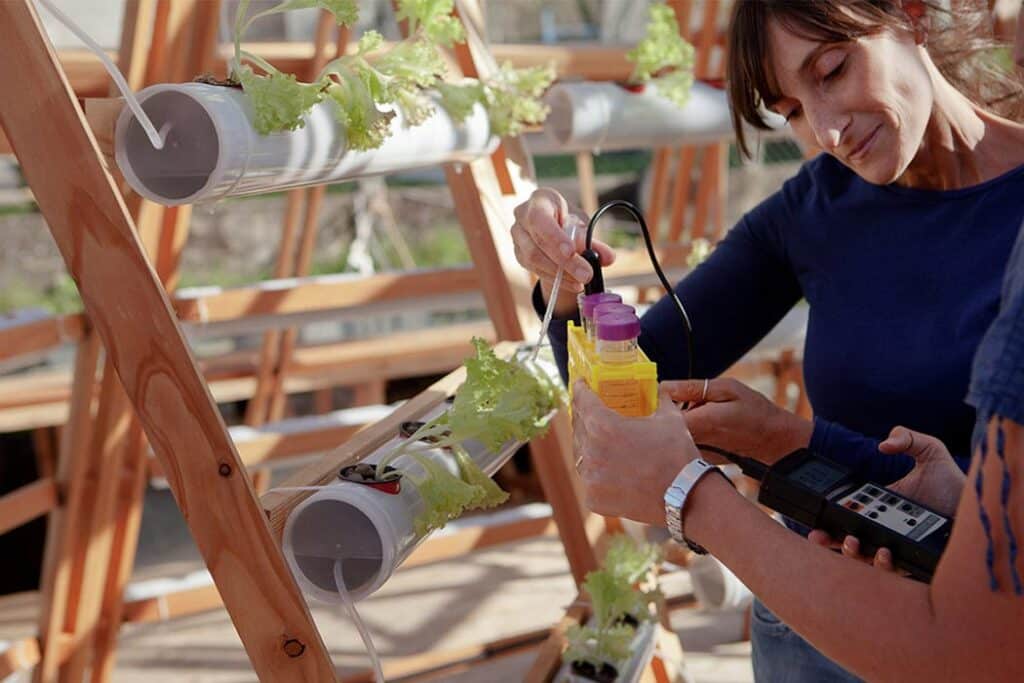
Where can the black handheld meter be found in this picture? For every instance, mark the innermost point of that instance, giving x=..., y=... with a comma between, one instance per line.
x=822, y=494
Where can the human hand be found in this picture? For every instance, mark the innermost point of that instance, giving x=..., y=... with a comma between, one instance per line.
x=627, y=463
x=736, y=418
x=540, y=236
x=850, y=547
x=936, y=480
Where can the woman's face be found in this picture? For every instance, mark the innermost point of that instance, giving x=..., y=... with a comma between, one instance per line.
x=866, y=102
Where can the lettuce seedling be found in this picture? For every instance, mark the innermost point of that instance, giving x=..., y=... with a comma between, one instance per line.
x=598, y=647
x=613, y=596
x=500, y=401
x=664, y=58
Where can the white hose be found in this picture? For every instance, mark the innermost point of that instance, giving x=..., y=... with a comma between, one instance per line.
x=156, y=138
x=554, y=296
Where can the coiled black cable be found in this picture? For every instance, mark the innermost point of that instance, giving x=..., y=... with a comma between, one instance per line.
x=595, y=262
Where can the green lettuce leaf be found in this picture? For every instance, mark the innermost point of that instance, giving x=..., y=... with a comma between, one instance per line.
x=346, y=12
x=500, y=401
x=434, y=18
x=445, y=495
x=279, y=100
x=611, y=598
x=489, y=494
x=599, y=646
x=629, y=560
x=513, y=98
x=459, y=99
x=663, y=57
x=366, y=127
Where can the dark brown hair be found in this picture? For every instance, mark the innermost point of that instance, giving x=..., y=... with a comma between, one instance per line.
x=959, y=41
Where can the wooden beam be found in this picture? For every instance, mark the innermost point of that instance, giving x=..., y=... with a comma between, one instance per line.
x=40, y=335
x=549, y=658
x=132, y=315
x=434, y=549
x=322, y=293
x=61, y=541
x=24, y=504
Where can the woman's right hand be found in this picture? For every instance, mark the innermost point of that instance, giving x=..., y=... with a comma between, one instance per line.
x=541, y=238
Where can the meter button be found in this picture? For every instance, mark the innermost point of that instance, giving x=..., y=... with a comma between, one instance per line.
x=906, y=507
x=862, y=498
x=872, y=491
x=882, y=508
x=911, y=522
x=873, y=515
x=891, y=499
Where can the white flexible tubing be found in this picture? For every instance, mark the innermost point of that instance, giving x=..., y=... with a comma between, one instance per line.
x=364, y=632
x=554, y=296
x=155, y=137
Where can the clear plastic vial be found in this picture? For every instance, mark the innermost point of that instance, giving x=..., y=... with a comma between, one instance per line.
x=611, y=308
x=617, y=335
x=588, y=302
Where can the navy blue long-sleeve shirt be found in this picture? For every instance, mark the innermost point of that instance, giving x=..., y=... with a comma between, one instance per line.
x=902, y=284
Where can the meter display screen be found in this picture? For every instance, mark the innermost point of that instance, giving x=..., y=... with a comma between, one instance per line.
x=817, y=475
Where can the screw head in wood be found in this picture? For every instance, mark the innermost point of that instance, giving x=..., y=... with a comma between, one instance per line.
x=224, y=469
x=294, y=648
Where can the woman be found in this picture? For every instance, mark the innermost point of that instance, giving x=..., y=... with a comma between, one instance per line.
x=964, y=626
x=897, y=236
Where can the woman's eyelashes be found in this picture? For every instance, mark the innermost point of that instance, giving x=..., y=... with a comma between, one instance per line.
x=835, y=72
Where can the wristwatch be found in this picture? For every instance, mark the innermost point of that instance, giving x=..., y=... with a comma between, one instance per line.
x=676, y=495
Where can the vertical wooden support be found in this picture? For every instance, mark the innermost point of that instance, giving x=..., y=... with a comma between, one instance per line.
x=132, y=315
x=485, y=193
x=56, y=580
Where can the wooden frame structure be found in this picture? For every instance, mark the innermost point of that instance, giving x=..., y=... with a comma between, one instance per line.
x=123, y=253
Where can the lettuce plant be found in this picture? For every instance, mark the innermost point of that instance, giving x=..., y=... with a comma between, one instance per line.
x=370, y=84
x=664, y=58
x=613, y=597
x=500, y=401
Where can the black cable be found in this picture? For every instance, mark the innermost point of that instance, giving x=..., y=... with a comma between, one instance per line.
x=594, y=261
x=754, y=469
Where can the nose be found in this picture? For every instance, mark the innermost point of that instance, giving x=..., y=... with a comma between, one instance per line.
x=828, y=126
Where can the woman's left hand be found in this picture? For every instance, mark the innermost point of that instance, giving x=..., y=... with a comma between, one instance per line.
x=626, y=463
x=733, y=416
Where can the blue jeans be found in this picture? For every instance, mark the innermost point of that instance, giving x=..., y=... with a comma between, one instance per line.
x=781, y=656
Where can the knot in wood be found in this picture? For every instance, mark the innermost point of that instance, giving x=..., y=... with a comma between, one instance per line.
x=224, y=469
x=293, y=647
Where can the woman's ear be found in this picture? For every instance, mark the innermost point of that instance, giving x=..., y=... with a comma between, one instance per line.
x=917, y=13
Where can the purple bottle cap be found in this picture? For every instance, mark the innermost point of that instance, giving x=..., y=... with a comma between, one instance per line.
x=612, y=309
x=618, y=327
x=588, y=302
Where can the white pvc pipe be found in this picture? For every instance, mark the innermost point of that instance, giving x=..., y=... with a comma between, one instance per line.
x=641, y=651
x=601, y=116
x=212, y=151
x=370, y=531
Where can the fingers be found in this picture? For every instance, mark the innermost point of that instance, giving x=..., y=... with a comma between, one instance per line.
x=541, y=238
x=915, y=444
x=588, y=406
x=666, y=404
x=820, y=537
x=692, y=390
x=883, y=560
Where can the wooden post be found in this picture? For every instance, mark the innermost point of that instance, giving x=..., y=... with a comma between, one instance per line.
x=131, y=313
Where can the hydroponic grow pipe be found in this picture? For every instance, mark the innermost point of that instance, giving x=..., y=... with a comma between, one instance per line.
x=601, y=116
x=370, y=531
x=212, y=151
x=631, y=671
